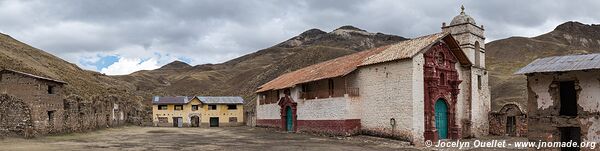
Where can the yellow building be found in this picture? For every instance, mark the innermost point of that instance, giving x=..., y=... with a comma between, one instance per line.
x=198, y=111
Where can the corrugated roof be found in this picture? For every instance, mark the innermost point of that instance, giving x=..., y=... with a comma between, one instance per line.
x=346, y=64
x=221, y=99
x=176, y=100
x=562, y=63
x=34, y=76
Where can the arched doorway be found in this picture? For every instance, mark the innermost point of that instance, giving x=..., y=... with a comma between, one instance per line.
x=441, y=118
x=288, y=114
x=288, y=119
x=195, y=120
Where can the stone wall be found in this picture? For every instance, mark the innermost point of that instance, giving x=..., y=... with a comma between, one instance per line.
x=498, y=121
x=544, y=105
x=15, y=118
x=45, y=103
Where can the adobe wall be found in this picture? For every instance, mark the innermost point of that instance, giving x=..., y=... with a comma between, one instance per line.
x=15, y=118
x=380, y=107
x=34, y=93
x=498, y=121
x=544, y=105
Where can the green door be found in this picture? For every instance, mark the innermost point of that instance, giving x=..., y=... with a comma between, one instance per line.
x=441, y=118
x=214, y=122
x=288, y=119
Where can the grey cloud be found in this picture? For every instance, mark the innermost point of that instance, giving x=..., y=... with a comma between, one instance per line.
x=215, y=31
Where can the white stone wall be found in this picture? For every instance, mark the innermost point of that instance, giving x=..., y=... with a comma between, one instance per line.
x=418, y=98
x=386, y=92
x=323, y=109
x=267, y=111
x=480, y=103
x=463, y=110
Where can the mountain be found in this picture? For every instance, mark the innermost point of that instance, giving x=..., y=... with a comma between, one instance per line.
x=242, y=75
x=506, y=56
x=175, y=65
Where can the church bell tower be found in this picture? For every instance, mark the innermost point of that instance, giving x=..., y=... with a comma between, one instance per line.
x=471, y=40
x=470, y=37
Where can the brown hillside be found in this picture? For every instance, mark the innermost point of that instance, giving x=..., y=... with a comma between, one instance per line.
x=241, y=76
x=506, y=56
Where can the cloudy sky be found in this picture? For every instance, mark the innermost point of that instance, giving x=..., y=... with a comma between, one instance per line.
x=119, y=37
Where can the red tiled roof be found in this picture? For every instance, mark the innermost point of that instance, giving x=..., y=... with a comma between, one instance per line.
x=344, y=65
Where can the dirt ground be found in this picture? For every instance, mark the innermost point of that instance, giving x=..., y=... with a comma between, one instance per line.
x=229, y=138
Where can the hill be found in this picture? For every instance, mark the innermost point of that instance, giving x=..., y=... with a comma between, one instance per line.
x=242, y=75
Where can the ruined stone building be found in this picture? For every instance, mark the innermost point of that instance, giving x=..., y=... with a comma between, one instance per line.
x=510, y=120
x=32, y=105
x=563, y=98
x=198, y=111
x=427, y=88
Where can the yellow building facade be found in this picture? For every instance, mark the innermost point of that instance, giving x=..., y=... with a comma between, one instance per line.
x=197, y=111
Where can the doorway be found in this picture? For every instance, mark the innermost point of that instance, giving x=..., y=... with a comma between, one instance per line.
x=568, y=98
x=214, y=122
x=441, y=118
x=289, y=119
x=195, y=121
x=177, y=122
x=570, y=134
x=511, y=125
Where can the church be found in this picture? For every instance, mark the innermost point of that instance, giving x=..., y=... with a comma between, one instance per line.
x=428, y=88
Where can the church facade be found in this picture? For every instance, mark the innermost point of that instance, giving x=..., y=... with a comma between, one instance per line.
x=427, y=88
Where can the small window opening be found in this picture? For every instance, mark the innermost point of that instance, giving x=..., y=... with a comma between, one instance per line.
x=568, y=98
x=442, y=79
x=194, y=107
x=178, y=107
x=50, y=116
x=232, y=107
x=50, y=89
x=479, y=82
x=212, y=107
x=162, y=107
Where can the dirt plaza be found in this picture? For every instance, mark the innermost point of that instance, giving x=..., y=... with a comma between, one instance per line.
x=226, y=138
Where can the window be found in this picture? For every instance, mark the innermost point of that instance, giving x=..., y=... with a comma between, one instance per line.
x=194, y=107
x=568, y=98
x=232, y=119
x=439, y=57
x=50, y=89
x=163, y=120
x=178, y=107
x=232, y=107
x=477, y=54
x=212, y=107
x=479, y=82
x=162, y=107
x=442, y=79
x=50, y=116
